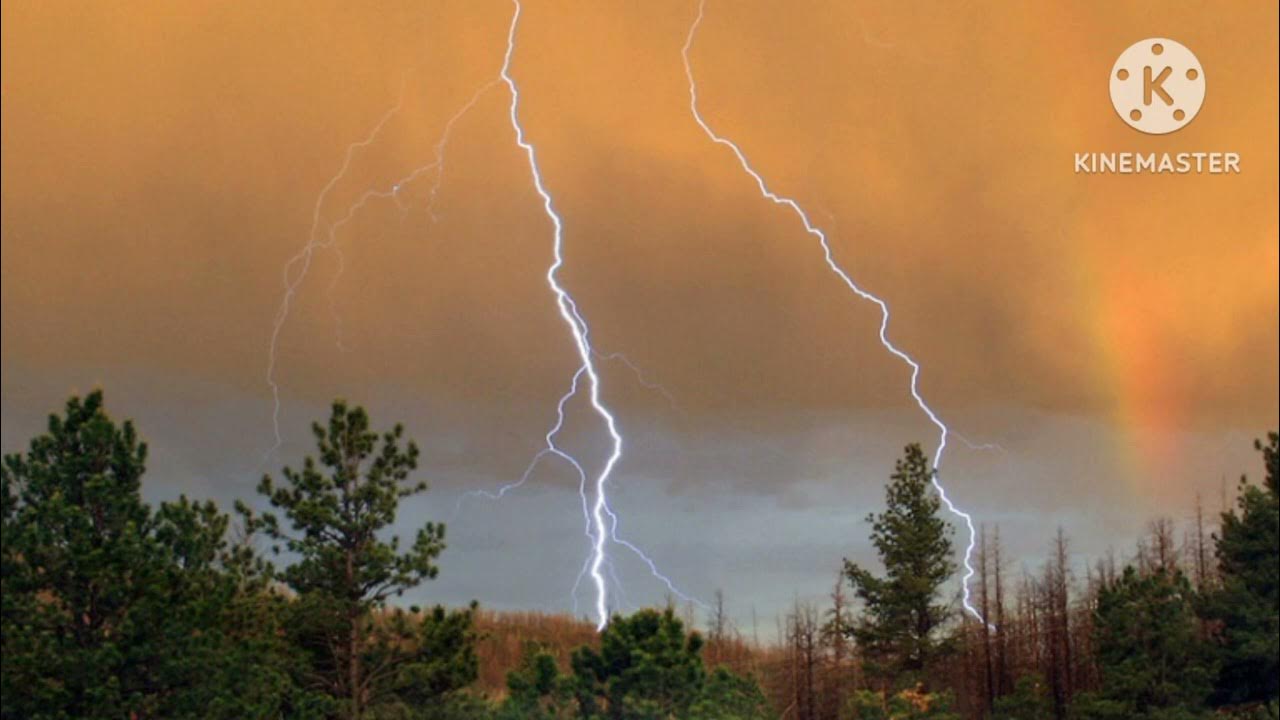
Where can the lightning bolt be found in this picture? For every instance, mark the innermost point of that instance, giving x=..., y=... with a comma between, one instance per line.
x=601, y=520
x=835, y=267
x=324, y=235
x=577, y=328
x=549, y=445
x=302, y=260
x=980, y=447
x=550, y=448
x=644, y=381
x=436, y=170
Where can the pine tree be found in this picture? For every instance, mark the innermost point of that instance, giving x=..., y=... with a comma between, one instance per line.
x=727, y=696
x=1028, y=701
x=345, y=572
x=1151, y=659
x=536, y=690
x=1247, y=604
x=902, y=612
x=111, y=610
x=646, y=667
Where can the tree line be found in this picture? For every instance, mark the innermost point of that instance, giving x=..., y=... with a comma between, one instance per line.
x=112, y=608
x=1184, y=627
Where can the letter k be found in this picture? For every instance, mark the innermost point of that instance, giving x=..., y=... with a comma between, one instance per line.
x=1155, y=86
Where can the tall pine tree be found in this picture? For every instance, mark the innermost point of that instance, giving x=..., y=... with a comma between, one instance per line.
x=338, y=511
x=111, y=610
x=1247, y=606
x=898, y=631
x=1151, y=660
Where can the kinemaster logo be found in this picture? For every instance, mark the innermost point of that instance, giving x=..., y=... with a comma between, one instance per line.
x=1157, y=87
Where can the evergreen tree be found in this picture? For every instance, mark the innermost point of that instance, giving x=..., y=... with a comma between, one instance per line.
x=430, y=661
x=78, y=564
x=337, y=511
x=536, y=690
x=727, y=696
x=909, y=704
x=111, y=610
x=1247, y=605
x=902, y=612
x=1150, y=657
x=1028, y=701
x=647, y=667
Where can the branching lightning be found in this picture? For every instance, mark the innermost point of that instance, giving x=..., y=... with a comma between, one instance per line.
x=303, y=260
x=835, y=267
x=577, y=328
x=436, y=170
x=550, y=448
x=979, y=447
x=601, y=520
x=295, y=270
x=644, y=381
x=549, y=445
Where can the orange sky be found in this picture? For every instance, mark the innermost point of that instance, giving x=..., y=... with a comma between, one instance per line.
x=162, y=162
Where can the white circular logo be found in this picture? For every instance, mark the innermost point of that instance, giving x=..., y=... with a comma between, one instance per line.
x=1157, y=86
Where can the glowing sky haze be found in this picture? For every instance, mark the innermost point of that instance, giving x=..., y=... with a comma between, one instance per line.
x=1115, y=335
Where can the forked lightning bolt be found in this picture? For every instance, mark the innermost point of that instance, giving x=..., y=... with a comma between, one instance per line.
x=550, y=448
x=602, y=522
x=835, y=267
x=303, y=258
x=435, y=168
x=295, y=270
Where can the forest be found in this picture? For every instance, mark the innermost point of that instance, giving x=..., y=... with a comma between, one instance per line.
x=113, y=608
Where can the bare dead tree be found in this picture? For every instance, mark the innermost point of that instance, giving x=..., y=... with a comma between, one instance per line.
x=1055, y=594
x=1163, y=549
x=804, y=642
x=984, y=628
x=1004, y=683
x=717, y=630
x=1200, y=550
x=841, y=676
